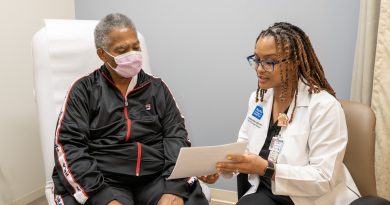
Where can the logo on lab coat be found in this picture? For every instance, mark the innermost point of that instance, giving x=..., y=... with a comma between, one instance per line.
x=256, y=116
x=258, y=112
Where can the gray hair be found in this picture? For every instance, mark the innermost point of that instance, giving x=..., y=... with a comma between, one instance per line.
x=109, y=23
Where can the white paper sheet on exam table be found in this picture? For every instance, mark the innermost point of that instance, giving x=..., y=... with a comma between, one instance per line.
x=199, y=161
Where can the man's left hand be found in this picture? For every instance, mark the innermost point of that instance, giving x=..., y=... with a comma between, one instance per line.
x=170, y=199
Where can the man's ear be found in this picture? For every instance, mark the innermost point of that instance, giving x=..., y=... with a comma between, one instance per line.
x=101, y=53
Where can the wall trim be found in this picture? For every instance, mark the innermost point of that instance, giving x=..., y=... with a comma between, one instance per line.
x=218, y=197
x=223, y=197
x=29, y=197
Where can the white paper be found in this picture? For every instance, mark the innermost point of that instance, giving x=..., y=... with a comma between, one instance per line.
x=199, y=161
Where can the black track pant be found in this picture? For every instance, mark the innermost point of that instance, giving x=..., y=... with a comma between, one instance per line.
x=371, y=200
x=146, y=194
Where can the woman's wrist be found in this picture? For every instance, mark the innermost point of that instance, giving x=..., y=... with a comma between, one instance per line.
x=263, y=166
x=269, y=170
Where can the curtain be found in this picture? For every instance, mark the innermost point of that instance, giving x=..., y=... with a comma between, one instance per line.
x=363, y=67
x=380, y=101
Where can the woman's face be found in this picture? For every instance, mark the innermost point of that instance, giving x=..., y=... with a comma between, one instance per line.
x=266, y=50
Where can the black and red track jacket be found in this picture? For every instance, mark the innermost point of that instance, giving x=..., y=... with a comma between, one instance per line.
x=103, y=137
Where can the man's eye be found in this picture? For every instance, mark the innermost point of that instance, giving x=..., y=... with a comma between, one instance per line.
x=121, y=51
x=137, y=48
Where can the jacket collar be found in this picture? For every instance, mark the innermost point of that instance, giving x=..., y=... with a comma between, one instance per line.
x=303, y=97
x=142, y=77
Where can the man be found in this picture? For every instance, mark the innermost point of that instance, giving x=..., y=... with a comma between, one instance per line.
x=120, y=131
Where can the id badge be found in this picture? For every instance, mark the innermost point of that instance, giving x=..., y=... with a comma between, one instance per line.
x=275, y=148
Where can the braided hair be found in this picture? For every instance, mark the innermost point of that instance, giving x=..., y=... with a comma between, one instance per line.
x=291, y=40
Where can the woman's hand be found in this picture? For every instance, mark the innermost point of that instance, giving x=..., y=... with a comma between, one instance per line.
x=209, y=179
x=246, y=163
x=170, y=199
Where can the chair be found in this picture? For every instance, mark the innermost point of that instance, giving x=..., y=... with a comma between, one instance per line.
x=62, y=51
x=360, y=152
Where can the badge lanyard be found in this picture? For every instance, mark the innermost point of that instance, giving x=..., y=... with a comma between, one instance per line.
x=277, y=141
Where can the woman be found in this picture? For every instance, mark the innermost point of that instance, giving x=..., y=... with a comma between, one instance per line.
x=295, y=128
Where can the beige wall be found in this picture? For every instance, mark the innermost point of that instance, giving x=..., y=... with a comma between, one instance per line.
x=21, y=164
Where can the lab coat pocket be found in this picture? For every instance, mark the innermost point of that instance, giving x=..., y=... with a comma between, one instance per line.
x=339, y=195
x=295, y=150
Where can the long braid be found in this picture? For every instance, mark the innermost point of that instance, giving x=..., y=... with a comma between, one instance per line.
x=293, y=41
x=260, y=92
x=318, y=73
x=305, y=58
x=257, y=93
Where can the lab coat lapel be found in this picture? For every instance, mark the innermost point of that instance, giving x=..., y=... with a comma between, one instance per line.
x=302, y=101
x=261, y=134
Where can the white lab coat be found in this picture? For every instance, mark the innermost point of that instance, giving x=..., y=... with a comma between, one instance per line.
x=310, y=167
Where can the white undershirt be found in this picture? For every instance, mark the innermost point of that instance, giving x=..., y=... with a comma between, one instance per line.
x=132, y=84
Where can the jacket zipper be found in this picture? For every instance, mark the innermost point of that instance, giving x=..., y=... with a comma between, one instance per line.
x=128, y=121
x=139, y=149
x=126, y=111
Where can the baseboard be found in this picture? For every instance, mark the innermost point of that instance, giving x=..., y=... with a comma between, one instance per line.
x=218, y=197
x=223, y=197
x=29, y=197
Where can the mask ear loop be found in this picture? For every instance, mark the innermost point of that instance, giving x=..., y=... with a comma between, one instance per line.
x=108, y=53
x=107, y=61
x=110, y=65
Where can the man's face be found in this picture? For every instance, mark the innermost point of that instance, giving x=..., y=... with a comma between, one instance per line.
x=120, y=41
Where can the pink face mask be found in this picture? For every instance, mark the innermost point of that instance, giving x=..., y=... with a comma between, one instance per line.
x=128, y=64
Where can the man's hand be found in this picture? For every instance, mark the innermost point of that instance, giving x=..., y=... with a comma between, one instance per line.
x=114, y=202
x=170, y=199
x=209, y=179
